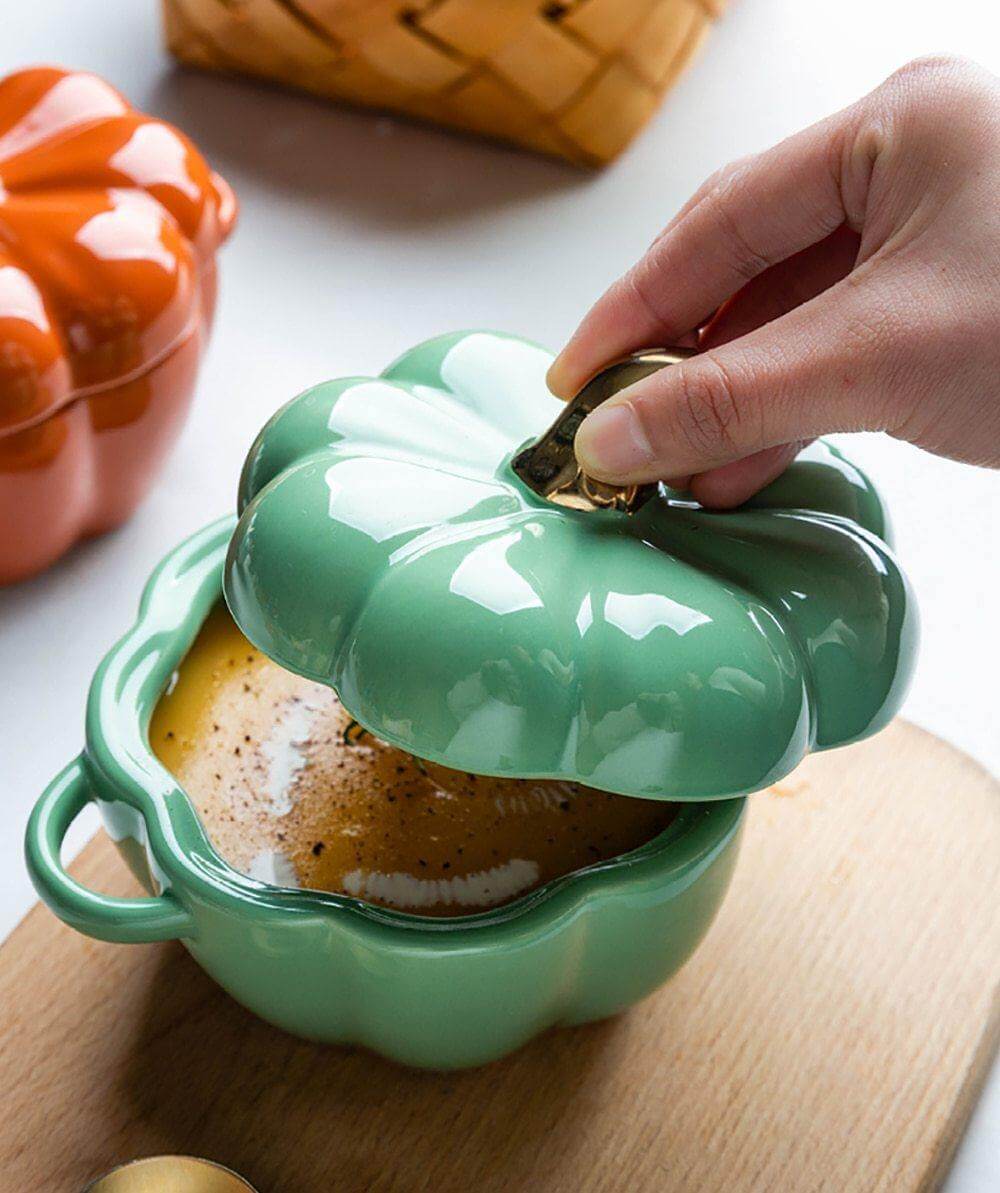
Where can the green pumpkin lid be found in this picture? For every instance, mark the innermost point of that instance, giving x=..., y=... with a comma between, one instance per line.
x=387, y=546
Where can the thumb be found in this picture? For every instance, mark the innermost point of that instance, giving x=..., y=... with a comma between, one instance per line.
x=832, y=364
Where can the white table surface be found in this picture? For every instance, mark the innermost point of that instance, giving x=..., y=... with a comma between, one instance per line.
x=361, y=235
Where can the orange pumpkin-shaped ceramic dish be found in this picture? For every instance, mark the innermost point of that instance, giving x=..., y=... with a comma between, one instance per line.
x=109, y=225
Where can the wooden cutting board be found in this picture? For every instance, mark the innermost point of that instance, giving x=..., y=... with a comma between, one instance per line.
x=831, y=1033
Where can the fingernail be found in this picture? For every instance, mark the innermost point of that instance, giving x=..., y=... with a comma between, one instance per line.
x=611, y=443
x=557, y=379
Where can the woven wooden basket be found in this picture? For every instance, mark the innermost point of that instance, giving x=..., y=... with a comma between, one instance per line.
x=577, y=78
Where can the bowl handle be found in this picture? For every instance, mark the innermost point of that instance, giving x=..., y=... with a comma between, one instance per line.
x=101, y=916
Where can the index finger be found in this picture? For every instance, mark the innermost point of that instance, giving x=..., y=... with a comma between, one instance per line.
x=760, y=212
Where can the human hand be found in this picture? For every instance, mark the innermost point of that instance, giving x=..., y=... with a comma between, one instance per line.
x=847, y=279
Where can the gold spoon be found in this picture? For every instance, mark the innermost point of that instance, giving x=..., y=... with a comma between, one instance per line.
x=548, y=466
x=170, y=1174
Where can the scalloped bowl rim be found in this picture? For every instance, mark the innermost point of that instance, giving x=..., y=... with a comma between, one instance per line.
x=132, y=676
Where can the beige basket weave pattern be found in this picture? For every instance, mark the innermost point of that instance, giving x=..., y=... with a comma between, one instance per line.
x=577, y=78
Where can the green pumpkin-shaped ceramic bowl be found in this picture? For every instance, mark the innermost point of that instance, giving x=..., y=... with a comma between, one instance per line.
x=386, y=546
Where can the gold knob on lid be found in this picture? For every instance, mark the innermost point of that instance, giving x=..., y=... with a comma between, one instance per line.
x=548, y=466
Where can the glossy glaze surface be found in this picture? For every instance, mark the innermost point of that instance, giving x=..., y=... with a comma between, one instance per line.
x=386, y=547
x=435, y=992
x=292, y=791
x=109, y=225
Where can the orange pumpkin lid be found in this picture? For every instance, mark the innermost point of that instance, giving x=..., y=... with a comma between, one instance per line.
x=108, y=219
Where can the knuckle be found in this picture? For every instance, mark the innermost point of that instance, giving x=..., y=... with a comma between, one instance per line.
x=745, y=259
x=708, y=411
x=941, y=98
x=727, y=176
x=928, y=71
x=719, y=180
x=708, y=189
x=932, y=118
x=641, y=286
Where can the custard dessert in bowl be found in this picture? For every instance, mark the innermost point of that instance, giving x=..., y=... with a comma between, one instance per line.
x=292, y=791
x=439, y=985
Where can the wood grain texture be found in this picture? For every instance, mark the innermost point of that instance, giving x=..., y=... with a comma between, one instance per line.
x=831, y=1033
